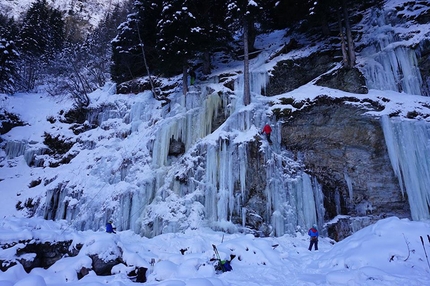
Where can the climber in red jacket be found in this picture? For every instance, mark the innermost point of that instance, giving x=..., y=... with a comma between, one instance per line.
x=267, y=129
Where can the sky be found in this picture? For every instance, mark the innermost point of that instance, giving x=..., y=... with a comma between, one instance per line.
x=389, y=252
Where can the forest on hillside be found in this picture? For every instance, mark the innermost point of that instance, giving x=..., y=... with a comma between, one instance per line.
x=56, y=49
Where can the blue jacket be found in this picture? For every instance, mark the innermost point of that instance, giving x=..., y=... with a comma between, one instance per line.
x=109, y=228
x=313, y=232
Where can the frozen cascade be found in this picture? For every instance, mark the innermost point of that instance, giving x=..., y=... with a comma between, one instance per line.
x=390, y=66
x=187, y=127
x=30, y=150
x=408, y=144
x=296, y=200
x=293, y=201
x=146, y=180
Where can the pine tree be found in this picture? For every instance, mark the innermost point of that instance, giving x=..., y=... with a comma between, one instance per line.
x=177, y=36
x=8, y=55
x=136, y=33
x=212, y=28
x=244, y=13
x=41, y=36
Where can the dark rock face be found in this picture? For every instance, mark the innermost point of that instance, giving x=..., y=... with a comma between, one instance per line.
x=346, y=151
x=43, y=255
x=8, y=121
x=349, y=80
x=290, y=74
x=176, y=147
x=102, y=267
x=424, y=66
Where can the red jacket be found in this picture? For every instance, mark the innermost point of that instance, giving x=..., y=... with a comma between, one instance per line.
x=267, y=129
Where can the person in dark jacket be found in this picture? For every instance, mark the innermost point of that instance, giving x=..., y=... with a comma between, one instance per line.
x=313, y=233
x=109, y=227
x=192, y=77
x=267, y=129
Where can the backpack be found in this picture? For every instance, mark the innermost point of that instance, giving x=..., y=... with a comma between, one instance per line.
x=226, y=266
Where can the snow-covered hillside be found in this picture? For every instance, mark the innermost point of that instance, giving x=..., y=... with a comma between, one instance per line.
x=91, y=11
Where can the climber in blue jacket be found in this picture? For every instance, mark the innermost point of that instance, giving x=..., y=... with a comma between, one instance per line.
x=313, y=233
x=109, y=227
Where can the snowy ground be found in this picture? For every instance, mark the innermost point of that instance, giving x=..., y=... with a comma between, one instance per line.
x=387, y=253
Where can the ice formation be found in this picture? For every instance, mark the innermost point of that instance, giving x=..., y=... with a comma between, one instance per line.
x=409, y=150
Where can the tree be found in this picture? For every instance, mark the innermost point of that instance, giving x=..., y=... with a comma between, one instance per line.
x=83, y=66
x=212, y=28
x=283, y=14
x=325, y=12
x=42, y=29
x=8, y=57
x=8, y=54
x=40, y=37
x=138, y=32
x=245, y=11
x=176, y=38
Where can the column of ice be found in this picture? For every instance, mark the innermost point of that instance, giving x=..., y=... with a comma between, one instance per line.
x=225, y=182
x=409, y=150
x=388, y=65
x=258, y=79
x=293, y=201
x=225, y=164
x=189, y=127
x=211, y=183
x=348, y=181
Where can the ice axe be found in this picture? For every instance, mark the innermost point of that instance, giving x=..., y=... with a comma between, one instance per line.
x=225, y=265
x=422, y=242
x=216, y=252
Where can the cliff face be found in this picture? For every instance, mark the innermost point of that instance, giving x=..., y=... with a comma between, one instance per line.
x=346, y=151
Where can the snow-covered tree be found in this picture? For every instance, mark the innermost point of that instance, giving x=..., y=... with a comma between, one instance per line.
x=244, y=13
x=8, y=57
x=213, y=33
x=42, y=29
x=8, y=54
x=40, y=37
x=136, y=38
x=177, y=35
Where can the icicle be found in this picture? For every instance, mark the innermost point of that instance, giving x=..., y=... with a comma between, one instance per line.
x=189, y=127
x=15, y=148
x=409, y=150
x=258, y=80
x=349, y=184
x=305, y=201
x=390, y=66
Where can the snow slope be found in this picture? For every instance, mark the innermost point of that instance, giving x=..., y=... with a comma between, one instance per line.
x=387, y=253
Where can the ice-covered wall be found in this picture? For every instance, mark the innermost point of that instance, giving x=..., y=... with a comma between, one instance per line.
x=225, y=178
x=389, y=63
x=408, y=144
x=211, y=182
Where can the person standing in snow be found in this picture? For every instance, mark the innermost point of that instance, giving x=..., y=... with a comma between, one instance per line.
x=267, y=129
x=192, y=76
x=313, y=233
x=109, y=227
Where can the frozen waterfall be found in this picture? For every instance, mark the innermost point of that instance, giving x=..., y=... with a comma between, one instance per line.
x=219, y=168
x=227, y=177
x=408, y=143
x=387, y=64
